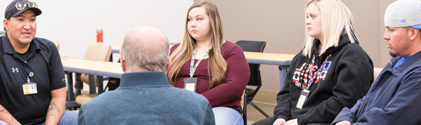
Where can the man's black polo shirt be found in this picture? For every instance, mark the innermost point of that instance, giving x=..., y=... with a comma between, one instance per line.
x=44, y=61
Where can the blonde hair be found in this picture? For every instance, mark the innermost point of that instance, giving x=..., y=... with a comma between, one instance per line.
x=336, y=17
x=183, y=53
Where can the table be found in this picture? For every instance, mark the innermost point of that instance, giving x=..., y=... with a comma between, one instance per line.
x=99, y=68
x=283, y=60
x=252, y=57
x=92, y=68
x=115, y=49
x=268, y=58
x=65, y=62
x=111, y=69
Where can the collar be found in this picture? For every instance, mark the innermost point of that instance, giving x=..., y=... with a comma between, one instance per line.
x=8, y=48
x=414, y=58
x=129, y=80
x=343, y=41
x=406, y=57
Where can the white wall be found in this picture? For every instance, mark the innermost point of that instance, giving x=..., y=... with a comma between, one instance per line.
x=74, y=22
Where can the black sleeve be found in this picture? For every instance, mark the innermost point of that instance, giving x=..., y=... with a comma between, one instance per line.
x=283, y=107
x=56, y=70
x=353, y=74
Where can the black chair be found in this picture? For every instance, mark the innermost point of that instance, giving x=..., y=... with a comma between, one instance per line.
x=245, y=109
x=255, y=79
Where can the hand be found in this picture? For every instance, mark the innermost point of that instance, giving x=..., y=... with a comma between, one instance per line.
x=292, y=122
x=343, y=123
x=279, y=121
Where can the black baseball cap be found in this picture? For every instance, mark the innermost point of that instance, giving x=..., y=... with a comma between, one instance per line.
x=16, y=7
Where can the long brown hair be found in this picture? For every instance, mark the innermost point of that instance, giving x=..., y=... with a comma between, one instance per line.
x=183, y=53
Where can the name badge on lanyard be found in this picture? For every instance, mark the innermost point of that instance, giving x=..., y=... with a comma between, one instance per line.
x=306, y=89
x=303, y=96
x=191, y=83
x=29, y=87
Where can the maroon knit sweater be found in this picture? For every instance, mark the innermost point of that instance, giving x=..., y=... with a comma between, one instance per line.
x=228, y=93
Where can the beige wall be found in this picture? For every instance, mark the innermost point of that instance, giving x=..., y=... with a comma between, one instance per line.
x=281, y=24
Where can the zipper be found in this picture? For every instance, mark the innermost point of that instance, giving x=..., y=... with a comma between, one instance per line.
x=362, y=109
x=380, y=77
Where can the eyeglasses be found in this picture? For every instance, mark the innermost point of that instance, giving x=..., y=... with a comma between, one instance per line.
x=24, y=4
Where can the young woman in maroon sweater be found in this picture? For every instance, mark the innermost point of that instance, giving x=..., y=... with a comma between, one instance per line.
x=219, y=71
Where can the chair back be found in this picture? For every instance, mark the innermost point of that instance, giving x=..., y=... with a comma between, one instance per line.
x=255, y=78
x=253, y=46
x=98, y=52
x=57, y=44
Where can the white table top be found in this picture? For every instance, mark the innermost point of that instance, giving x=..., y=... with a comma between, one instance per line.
x=100, y=68
x=252, y=57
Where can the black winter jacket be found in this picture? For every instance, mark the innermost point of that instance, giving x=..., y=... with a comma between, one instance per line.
x=345, y=78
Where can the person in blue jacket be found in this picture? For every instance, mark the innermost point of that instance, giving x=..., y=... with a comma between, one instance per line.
x=394, y=98
x=145, y=96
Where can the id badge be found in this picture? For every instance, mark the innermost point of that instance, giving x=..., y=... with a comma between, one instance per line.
x=190, y=84
x=302, y=99
x=29, y=88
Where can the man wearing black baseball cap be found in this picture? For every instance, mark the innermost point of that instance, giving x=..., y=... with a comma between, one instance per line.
x=32, y=84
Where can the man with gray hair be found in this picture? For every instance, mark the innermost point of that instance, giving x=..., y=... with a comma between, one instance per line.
x=394, y=97
x=145, y=95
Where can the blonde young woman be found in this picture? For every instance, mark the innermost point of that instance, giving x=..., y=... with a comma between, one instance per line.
x=204, y=62
x=330, y=73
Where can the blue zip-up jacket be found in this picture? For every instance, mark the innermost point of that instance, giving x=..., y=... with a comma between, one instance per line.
x=394, y=98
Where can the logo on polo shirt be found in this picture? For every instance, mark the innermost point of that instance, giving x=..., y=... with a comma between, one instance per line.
x=15, y=70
